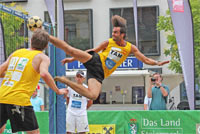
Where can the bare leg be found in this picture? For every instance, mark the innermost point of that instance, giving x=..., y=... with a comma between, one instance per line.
x=2, y=128
x=78, y=54
x=37, y=131
x=92, y=92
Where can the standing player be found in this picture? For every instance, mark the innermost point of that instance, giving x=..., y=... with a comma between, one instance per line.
x=100, y=66
x=77, y=108
x=21, y=73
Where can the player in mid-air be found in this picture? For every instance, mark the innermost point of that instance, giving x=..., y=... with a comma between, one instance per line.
x=101, y=65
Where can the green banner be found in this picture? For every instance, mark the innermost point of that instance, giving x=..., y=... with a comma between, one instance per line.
x=165, y=122
x=105, y=118
x=148, y=122
x=43, y=121
x=133, y=122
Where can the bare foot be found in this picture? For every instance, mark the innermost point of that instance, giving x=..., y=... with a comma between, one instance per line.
x=61, y=79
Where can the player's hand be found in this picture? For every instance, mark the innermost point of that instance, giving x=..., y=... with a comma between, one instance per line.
x=62, y=91
x=67, y=60
x=160, y=63
x=65, y=95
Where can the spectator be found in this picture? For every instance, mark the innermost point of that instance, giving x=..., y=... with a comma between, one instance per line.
x=77, y=108
x=158, y=92
x=37, y=102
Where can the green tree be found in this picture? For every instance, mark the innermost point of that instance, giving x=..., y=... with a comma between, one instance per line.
x=13, y=29
x=165, y=24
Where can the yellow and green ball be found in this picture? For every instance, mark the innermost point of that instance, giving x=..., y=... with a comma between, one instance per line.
x=34, y=22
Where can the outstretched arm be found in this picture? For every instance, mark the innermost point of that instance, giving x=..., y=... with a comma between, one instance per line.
x=144, y=59
x=45, y=61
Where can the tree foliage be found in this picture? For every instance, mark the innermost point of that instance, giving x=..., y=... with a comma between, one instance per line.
x=165, y=24
x=13, y=29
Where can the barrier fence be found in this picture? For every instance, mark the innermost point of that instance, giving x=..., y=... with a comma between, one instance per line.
x=133, y=122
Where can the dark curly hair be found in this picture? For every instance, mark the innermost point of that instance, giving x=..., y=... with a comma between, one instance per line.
x=118, y=21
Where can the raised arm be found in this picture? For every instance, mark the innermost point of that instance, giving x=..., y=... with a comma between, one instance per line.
x=145, y=59
x=149, y=91
x=163, y=91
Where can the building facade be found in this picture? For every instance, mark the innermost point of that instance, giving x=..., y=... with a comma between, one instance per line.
x=87, y=24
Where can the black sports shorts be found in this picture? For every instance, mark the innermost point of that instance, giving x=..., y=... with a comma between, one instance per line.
x=22, y=118
x=94, y=67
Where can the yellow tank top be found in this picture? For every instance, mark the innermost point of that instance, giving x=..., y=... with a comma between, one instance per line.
x=21, y=79
x=113, y=56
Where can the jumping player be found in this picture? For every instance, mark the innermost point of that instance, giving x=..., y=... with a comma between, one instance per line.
x=101, y=65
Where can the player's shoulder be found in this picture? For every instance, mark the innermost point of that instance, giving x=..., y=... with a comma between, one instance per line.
x=42, y=56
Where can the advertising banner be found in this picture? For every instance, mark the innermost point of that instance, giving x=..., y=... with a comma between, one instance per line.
x=102, y=129
x=147, y=122
x=102, y=118
x=130, y=62
x=133, y=122
x=180, y=12
x=164, y=122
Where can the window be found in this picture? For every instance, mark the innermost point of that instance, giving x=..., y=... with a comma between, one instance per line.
x=147, y=33
x=183, y=93
x=70, y=32
x=138, y=94
x=78, y=28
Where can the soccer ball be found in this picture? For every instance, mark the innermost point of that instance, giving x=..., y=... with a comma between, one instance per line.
x=34, y=22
